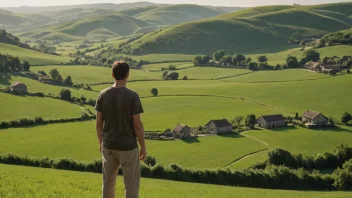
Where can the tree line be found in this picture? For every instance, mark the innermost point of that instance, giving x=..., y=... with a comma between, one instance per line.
x=10, y=63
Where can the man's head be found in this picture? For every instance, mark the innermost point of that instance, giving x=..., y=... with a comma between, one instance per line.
x=120, y=70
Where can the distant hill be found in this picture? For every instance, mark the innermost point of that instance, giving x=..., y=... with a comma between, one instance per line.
x=8, y=38
x=257, y=28
x=340, y=37
x=103, y=23
x=176, y=14
x=8, y=18
x=122, y=6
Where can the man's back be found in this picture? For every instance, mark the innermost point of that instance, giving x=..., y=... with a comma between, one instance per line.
x=118, y=105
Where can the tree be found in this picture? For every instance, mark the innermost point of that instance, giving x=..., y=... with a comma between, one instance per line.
x=248, y=60
x=227, y=59
x=154, y=91
x=54, y=73
x=311, y=55
x=172, y=67
x=346, y=117
x=238, y=120
x=26, y=66
x=252, y=66
x=205, y=59
x=164, y=75
x=83, y=99
x=349, y=64
x=65, y=94
x=218, y=55
x=238, y=59
x=302, y=62
x=185, y=77
x=292, y=62
x=250, y=121
x=262, y=59
x=197, y=61
x=68, y=81
x=150, y=161
x=59, y=79
x=172, y=76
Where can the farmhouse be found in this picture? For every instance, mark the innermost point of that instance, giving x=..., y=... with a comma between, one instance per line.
x=181, y=131
x=313, y=118
x=314, y=66
x=330, y=68
x=271, y=121
x=45, y=79
x=219, y=126
x=19, y=87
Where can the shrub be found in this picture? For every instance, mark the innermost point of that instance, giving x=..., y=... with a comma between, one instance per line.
x=185, y=78
x=154, y=91
x=150, y=161
x=172, y=76
x=282, y=157
x=343, y=177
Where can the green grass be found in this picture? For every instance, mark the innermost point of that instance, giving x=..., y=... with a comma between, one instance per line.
x=159, y=66
x=280, y=57
x=16, y=107
x=195, y=111
x=211, y=73
x=278, y=76
x=33, y=57
x=157, y=58
x=250, y=160
x=45, y=183
x=78, y=141
x=36, y=86
x=253, y=29
x=92, y=74
x=302, y=140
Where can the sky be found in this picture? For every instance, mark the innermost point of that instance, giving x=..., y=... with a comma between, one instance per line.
x=235, y=3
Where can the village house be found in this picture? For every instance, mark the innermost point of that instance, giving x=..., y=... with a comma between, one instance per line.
x=181, y=131
x=313, y=118
x=271, y=121
x=326, y=68
x=19, y=87
x=314, y=66
x=45, y=79
x=219, y=126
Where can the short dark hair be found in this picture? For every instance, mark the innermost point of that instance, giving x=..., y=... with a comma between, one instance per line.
x=120, y=70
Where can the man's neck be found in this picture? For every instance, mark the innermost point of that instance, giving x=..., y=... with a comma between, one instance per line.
x=119, y=83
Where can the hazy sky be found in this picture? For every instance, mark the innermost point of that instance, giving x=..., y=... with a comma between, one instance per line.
x=11, y=3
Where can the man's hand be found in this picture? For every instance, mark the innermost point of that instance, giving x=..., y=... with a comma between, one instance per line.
x=143, y=154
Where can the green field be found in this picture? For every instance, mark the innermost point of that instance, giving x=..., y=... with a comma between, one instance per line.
x=302, y=140
x=31, y=107
x=36, y=86
x=250, y=160
x=33, y=57
x=159, y=66
x=45, y=183
x=78, y=141
x=278, y=76
x=155, y=58
x=206, y=73
x=92, y=74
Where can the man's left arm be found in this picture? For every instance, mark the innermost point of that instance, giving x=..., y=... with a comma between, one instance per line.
x=99, y=128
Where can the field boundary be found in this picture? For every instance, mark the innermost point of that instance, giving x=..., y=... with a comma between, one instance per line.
x=312, y=79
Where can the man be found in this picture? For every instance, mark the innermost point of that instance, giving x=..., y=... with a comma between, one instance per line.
x=118, y=125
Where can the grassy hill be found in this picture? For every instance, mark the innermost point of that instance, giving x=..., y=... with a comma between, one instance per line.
x=10, y=19
x=176, y=14
x=95, y=27
x=44, y=183
x=260, y=28
x=33, y=57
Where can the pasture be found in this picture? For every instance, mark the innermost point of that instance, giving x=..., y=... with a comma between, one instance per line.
x=78, y=141
x=278, y=76
x=33, y=57
x=92, y=74
x=157, y=58
x=210, y=73
x=45, y=183
x=31, y=107
x=159, y=66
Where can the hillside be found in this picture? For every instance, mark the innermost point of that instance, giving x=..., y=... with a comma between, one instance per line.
x=176, y=14
x=247, y=30
x=9, y=19
x=340, y=37
x=95, y=27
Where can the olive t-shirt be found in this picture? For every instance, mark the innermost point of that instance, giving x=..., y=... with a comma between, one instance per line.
x=117, y=106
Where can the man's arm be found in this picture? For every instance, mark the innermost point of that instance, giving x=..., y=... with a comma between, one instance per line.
x=139, y=129
x=99, y=128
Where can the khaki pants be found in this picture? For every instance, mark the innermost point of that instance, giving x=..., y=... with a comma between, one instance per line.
x=129, y=162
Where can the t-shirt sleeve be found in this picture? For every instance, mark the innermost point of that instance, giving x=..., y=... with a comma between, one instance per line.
x=98, y=105
x=137, y=107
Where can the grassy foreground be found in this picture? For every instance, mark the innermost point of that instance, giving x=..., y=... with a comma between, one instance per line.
x=17, y=181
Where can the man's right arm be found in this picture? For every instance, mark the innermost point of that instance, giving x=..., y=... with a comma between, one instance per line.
x=139, y=129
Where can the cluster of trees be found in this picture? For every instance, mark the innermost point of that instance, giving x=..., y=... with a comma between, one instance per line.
x=170, y=68
x=25, y=122
x=249, y=121
x=275, y=178
x=221, y=59
x=57, y=78
x=342, y=37
x=337, y=158
x=9, y=38
x=10, y=63
x=166, y=75
x=65, y=94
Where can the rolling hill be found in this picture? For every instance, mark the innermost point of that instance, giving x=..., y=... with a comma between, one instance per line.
x=9, y=19
x=102, y=23
x=176, y=14
x=248, y=30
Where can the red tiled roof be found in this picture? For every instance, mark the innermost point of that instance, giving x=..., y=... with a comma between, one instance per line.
x=179, y=127
x=311, y=114
x=16, y=84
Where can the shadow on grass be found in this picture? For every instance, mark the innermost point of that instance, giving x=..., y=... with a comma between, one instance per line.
x=190, y=140
x=284, y=129
x=230, y=135
x=5, y=79
x=334, y=129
